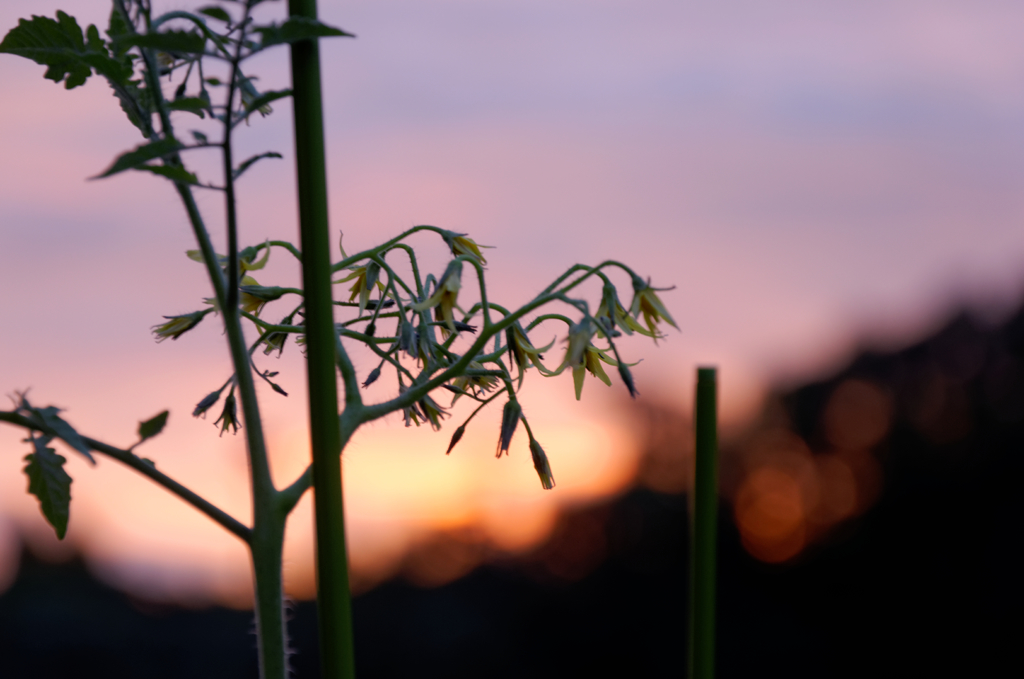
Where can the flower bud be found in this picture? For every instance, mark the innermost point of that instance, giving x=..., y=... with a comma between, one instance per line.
x=372, y=377
x=456, y=437
x=206, y=404
x=627, y=379
x=509, y=420
x=540, y=463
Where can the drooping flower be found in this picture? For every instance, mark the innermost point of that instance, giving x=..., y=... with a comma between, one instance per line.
x=461, y=244
x=579, y=339
x=249, y=302
x=474, y=384
x=522, y=351
x=249, y=95
x=229, y=415
x=446, y=294
x=611, y=315
x=591, y=362
x=365, y=278
x=176, y=326
x=424, y=410
x=646, y=302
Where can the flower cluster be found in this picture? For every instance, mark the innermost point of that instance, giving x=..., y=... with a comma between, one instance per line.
x=478, y=351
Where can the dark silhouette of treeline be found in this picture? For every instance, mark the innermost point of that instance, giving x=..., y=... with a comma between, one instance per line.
x=870, y=526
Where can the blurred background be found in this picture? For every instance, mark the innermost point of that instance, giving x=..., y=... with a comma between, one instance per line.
x=833, y=190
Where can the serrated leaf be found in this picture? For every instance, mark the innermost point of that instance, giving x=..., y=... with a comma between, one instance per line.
x=64, y=431
x=116, y=28
x=249, y=162
x=176, y=174
x=48, y=481
x=61, y=46
x=140, y=155
x=176, y=42
x=215, y=12
x=152, y=426
x=296, y=29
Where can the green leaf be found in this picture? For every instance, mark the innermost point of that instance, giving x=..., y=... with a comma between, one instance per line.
x=131, y=99
x=153, y=426
x=249, y=162
x=215, y=12
x=200, y=137
x=296, y=29
x=48, y=481
x=174, y=173
x=116, y=28
x=174, y=42
x=48, y=416
x=141, y=154
x=195, y=105
x=61, y=47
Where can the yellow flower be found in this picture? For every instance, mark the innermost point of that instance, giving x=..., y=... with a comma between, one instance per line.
x=460, y=244
x=246, y=258
x=176, y=326
x=426, y=410
x=228, y=415
x=251, y=94
x=646, y=302
x=522, y=351
x=591, y=362
x=619, y=317
x=365, y=278
x=445, y=295
x=247, y=302
x=473, y=384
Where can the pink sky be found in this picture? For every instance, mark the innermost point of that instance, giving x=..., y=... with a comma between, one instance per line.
x=808, y=175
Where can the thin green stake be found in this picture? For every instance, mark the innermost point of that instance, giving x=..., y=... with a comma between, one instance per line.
x=334, y=605
x=704, y=528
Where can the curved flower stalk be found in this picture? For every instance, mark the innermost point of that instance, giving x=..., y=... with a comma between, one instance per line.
x=159, y=68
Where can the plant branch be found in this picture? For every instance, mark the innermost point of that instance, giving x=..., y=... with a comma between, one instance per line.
x=229, y=523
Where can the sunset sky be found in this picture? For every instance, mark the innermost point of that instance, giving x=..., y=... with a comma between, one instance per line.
x=810, y=176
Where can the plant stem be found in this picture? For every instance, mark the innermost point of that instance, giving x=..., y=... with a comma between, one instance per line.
x=704, y=526
x=268, y=527
x=334, y=607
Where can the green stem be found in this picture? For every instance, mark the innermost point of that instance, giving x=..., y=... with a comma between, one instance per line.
x=704, y=518
x=334, y=600
x=268, y=529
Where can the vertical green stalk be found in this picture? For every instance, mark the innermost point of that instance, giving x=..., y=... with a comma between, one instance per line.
x=334, y=605
x=704, y=527
x=268, y=526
